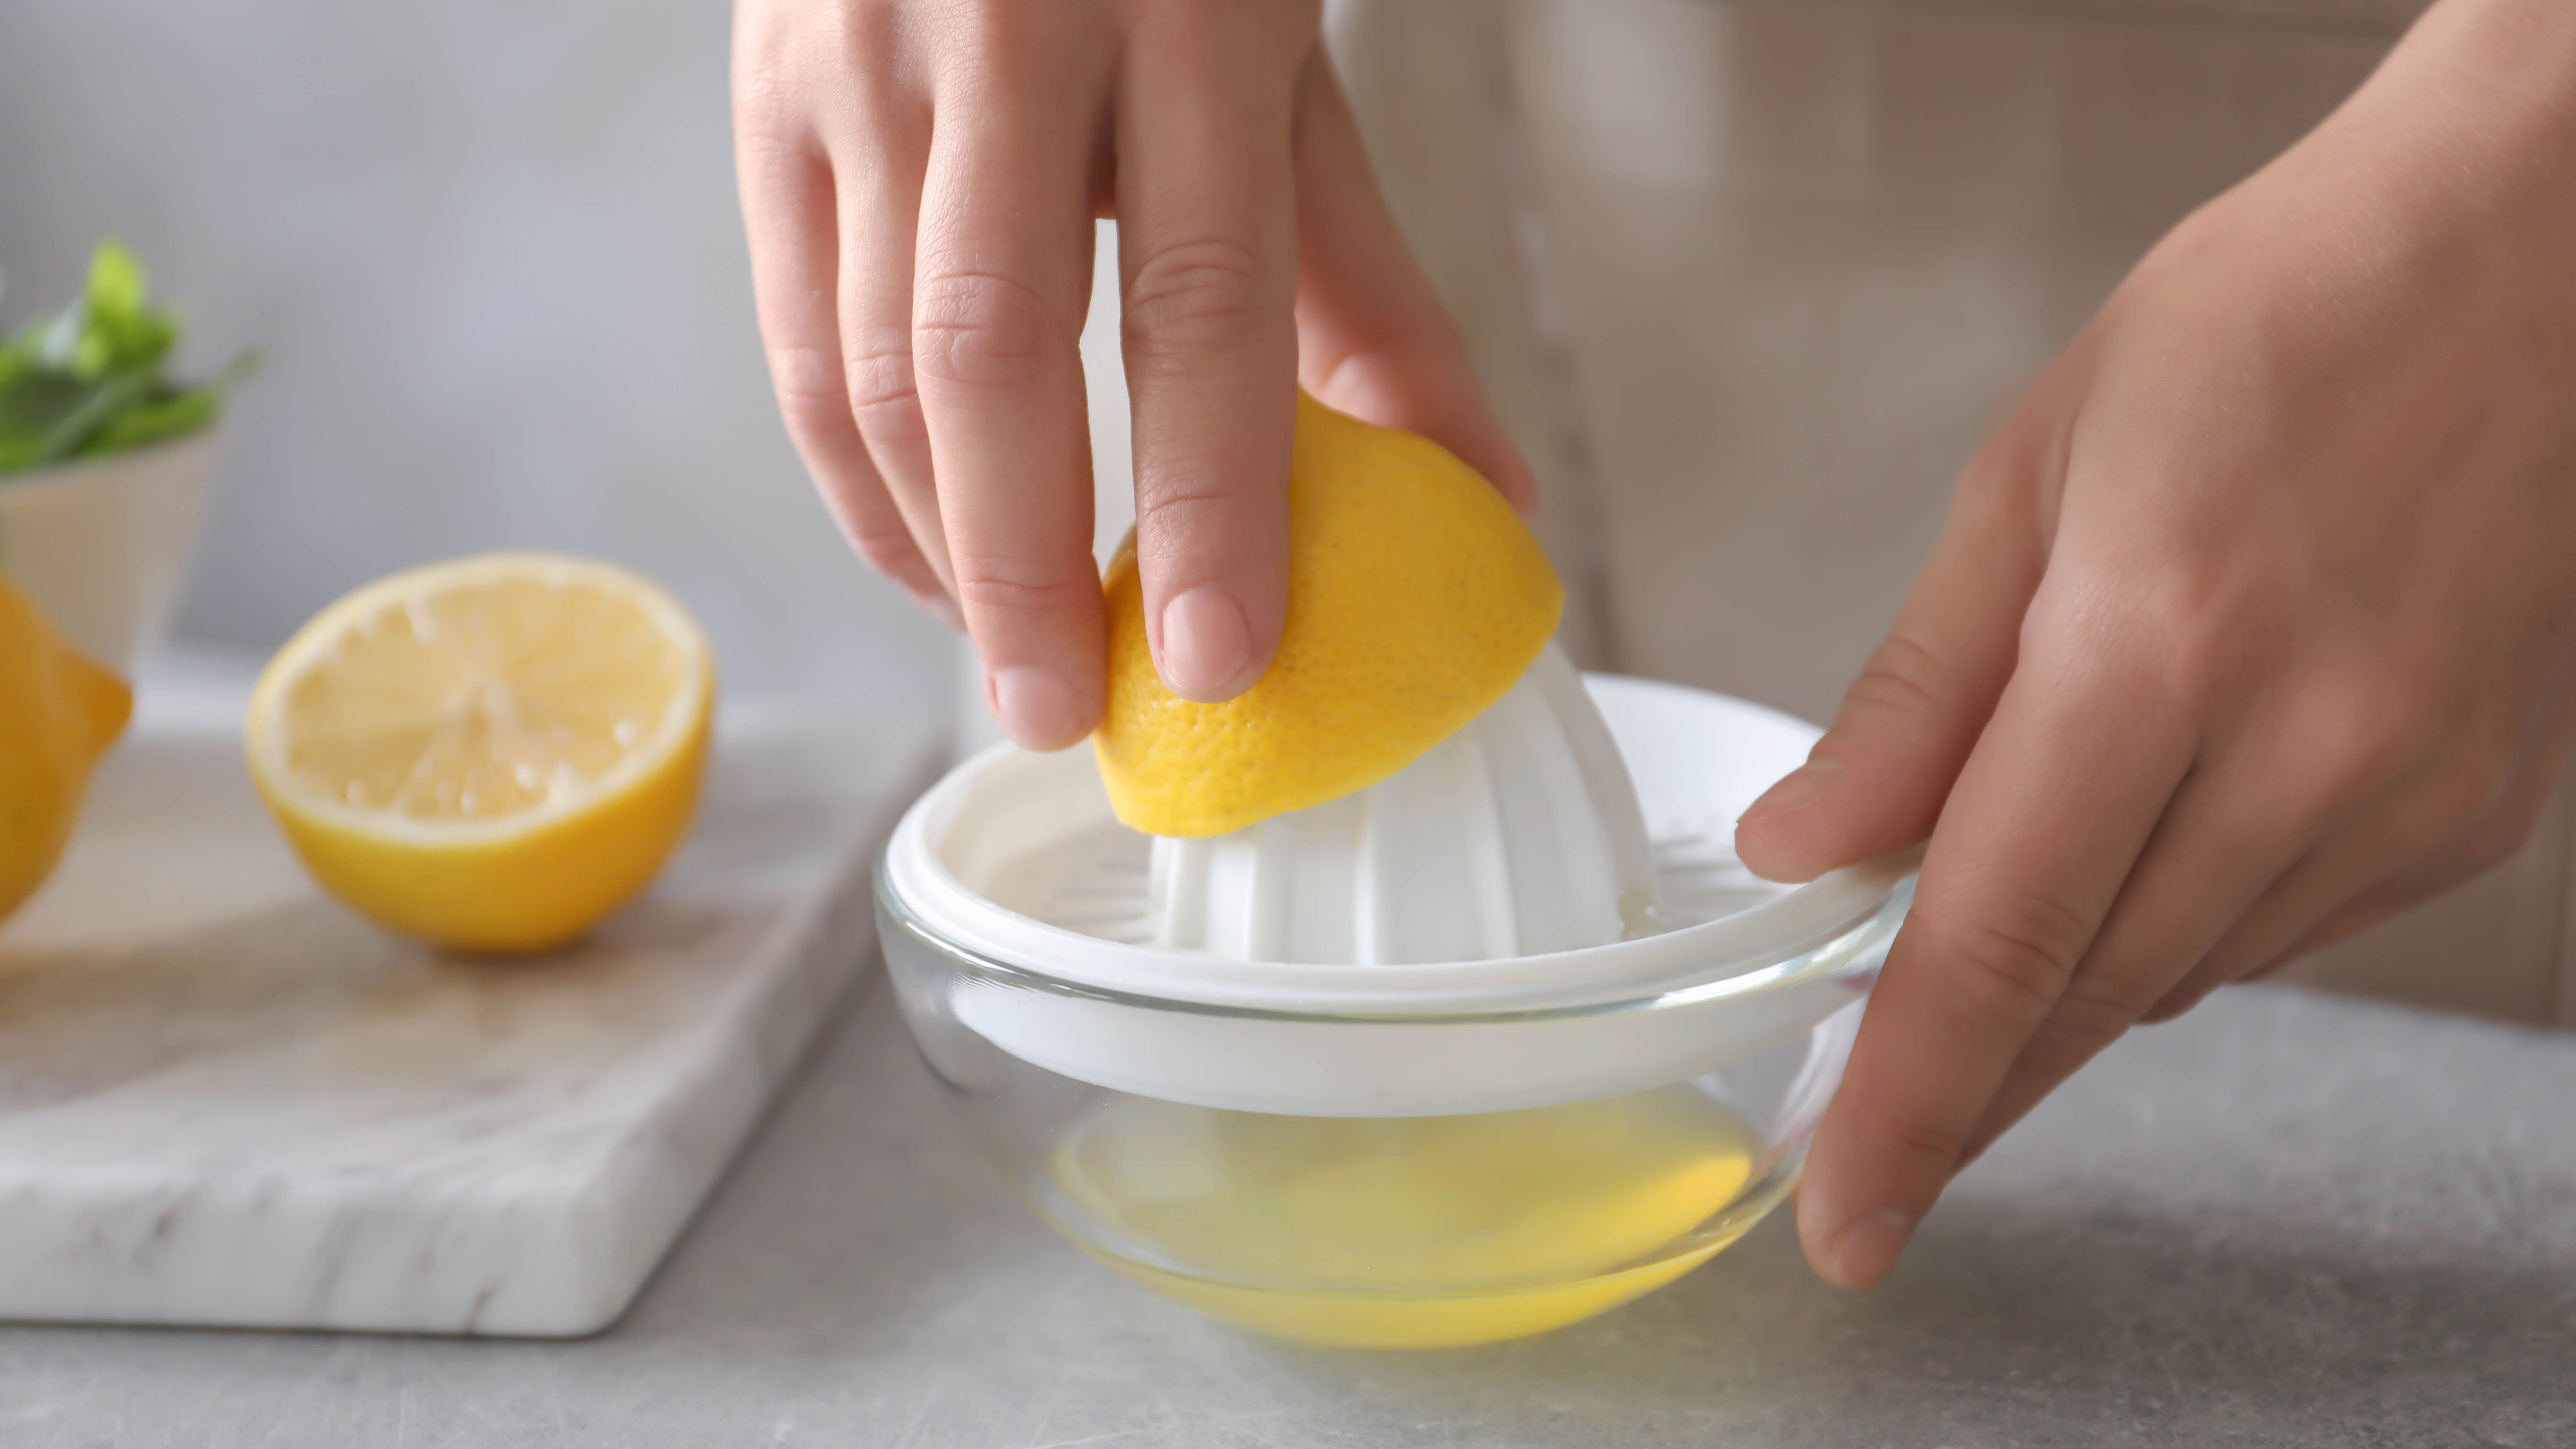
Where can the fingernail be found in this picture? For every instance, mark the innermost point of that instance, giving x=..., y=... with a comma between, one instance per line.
x=1861, y=1251
x=1798, y=789
x=1034, y=707
x=1207, y=645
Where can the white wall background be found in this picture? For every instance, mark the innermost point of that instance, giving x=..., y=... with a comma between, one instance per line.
x=491, y=252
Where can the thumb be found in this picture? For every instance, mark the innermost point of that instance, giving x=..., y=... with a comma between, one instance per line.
x=1878, y=778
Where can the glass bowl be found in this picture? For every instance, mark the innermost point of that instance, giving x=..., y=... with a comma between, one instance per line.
x=1387, y=1156
x=1381, y=1231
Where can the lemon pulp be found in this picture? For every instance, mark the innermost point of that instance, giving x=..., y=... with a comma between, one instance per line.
x=492, y=753
x=1412, y=1232
x=482, y=703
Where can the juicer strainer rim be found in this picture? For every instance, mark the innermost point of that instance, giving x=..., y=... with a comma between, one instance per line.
x=1822, y=960
x=1742, y=944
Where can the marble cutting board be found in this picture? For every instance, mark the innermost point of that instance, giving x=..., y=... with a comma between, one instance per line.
x=226, y=1100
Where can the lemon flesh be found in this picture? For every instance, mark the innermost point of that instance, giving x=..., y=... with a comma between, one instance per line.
x=58, y=713
x=1416, y=597
x=490, y=754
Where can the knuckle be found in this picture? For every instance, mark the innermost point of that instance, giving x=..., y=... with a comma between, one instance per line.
x=786, y=57
x=808, y=382
x=1192, y=512
x=1197, y=296
x=1020, y=584
x=2194, y=629
x=769, y=124
x=2015, y=958
x=1168, y=511
x=2200, y=653
x=1902, y=676
x=1931, y=1141
x=2354, y=736
x=882, y=393
x=2090, y=1014
x=981, y=329
x=767, y=99
x=889, y=550
x=2348, y=763
x=2416, y=714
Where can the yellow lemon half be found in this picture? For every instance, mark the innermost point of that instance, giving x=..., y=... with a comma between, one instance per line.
x=490, y=754
x=1416, y=597
x=58, y=713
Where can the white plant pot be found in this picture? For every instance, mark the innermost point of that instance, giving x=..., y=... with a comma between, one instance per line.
x=101, y=546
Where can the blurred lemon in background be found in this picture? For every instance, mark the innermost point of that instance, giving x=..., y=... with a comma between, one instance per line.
x=1416, y=597
x=58, y=713
x=490, y=754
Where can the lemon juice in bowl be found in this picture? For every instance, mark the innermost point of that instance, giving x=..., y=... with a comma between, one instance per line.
x=1413, y=1177
x=1410, y=1231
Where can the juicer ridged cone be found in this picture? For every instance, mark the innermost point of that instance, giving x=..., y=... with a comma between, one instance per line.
x=1519, y=835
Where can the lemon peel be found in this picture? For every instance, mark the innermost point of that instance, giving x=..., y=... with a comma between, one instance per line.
x=59, y=711
x=1416, y=597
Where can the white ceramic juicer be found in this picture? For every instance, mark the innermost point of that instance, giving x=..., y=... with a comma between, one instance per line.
x=1493, y=1045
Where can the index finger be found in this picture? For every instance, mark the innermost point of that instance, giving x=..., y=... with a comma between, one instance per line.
x=2056, y=802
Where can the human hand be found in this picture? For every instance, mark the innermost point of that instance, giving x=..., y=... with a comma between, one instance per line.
x=2253, y=624
x=919, y=181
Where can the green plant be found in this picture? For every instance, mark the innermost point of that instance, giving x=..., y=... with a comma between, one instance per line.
x=89, y=380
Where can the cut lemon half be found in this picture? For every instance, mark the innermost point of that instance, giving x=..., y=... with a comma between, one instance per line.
x=59, y=711
x=490, y=754
x=1416, y=598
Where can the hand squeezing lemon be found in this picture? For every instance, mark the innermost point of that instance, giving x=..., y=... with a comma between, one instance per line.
x=1416, y=597
x=489, y=754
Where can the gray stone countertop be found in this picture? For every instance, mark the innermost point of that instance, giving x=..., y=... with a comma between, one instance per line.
x=2285, y=1220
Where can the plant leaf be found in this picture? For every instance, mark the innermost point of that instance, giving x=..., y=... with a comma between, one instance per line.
x=154, y=420
x=89, y=379
x=112, y=394
x=118, y=284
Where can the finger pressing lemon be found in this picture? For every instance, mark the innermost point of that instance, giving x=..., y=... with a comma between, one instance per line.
x=490, y=754
x=58, y=713
x=1416, y=597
